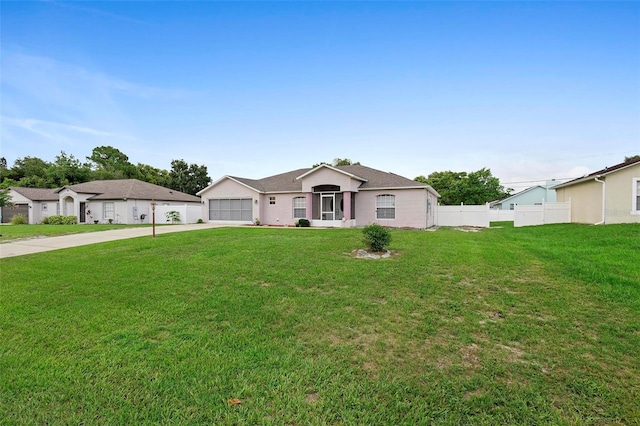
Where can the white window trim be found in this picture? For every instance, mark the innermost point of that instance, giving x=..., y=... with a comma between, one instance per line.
x=304, y=207
x=634, y=197
x=106, y=214
x=379, y=206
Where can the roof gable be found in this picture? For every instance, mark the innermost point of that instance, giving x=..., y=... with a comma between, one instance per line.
x=371, y=179
x=335, y=169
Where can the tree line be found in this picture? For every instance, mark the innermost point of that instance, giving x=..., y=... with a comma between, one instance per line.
x=105, y=163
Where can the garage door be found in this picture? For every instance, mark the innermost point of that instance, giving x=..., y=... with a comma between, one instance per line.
x=10, y=212
x=236, y=209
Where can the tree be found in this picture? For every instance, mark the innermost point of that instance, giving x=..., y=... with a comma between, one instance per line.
x=111, y=163
x=5, y=198
x=188, y=178
x=477, y=187
x=153, y=175
x=30, y=172
x=633, y=157
x=67, y=170
x=339, y=162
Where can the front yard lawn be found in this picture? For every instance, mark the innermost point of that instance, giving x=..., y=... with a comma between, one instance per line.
x=536, y=325
x=15, y=232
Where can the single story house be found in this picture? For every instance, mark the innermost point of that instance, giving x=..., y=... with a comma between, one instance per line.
x=327, y=196
x=126, y=201
x=32, y=203
x=610, y=195
x=535, y=195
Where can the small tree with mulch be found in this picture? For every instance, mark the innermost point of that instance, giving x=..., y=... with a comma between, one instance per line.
x=376, y=237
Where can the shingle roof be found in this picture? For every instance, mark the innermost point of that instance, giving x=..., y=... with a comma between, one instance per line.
x=37, y=194
x=601, y=172
x=120, y=189
x=373, y=179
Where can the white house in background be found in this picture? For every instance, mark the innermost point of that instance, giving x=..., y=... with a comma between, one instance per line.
x=126, y=201
x=535, y=195
x=32, y=203
x=328, y=196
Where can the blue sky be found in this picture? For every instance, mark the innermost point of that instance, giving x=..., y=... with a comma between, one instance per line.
x=531, y=90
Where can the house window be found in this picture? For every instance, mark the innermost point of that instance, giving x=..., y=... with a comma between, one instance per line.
x=299, y=207
x=272, y=200
x=512, y=206
x=109, y=211
x=386, y=206
x=44, y=207
x=236, y=209
x=636, y=197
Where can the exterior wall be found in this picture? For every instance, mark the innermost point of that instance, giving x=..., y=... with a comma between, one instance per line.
x=586, y=201
x=280, y=213
x=43, y=209
x=619, y=204
x=411, y=208
x=326, y=176
x=230, y=189
x=586, y=198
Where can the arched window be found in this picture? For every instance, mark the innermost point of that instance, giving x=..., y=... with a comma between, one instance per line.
x=386, y=206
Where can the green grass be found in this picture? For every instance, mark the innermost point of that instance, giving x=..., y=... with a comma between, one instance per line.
x=16, y=232
x=536, y=325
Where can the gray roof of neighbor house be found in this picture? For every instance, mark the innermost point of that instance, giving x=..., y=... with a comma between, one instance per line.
x=602, y=172
x=121, y=189
x=36, y=194
x=372, y=179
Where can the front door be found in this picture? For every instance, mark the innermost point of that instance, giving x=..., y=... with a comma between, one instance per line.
x=83, y=213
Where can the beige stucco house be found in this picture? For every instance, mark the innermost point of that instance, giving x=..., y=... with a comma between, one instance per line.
x=126, y=201
x=328, y=196
x=610, y=195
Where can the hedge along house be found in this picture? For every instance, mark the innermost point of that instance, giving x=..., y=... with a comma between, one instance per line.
x=328, y=196
x=610, y=195
x=126, y=201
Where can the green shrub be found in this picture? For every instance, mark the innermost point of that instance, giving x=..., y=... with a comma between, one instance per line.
x=19, y=220
x=376, y=237
x=303, y=223
x=200, y=221
x=61, y=220
x=45, y=220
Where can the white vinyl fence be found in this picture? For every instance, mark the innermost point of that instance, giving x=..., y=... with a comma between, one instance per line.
x=496, y=215
x=188, y=213
x=543, y=214
x=464, y=215
x=482, y=215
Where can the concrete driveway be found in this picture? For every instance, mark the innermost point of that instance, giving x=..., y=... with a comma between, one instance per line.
x=37, y=245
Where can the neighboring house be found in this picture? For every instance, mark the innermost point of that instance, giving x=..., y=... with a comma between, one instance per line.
x=535, y=195
x=32, y=203
x=126, y=201
x=610, y=195
x=328, y=196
